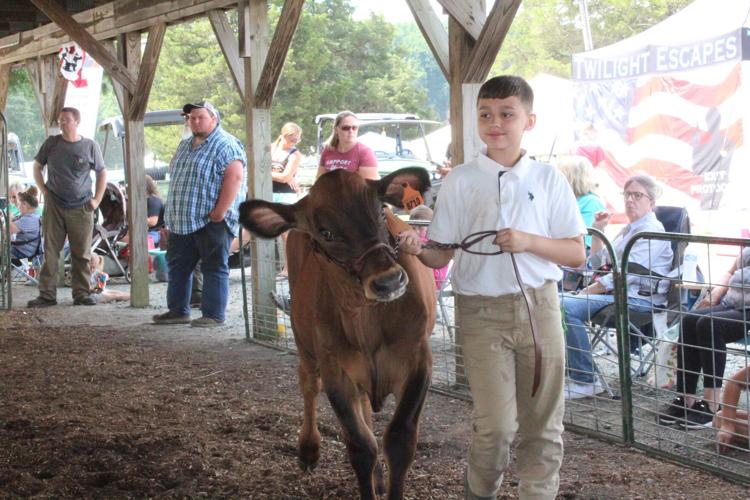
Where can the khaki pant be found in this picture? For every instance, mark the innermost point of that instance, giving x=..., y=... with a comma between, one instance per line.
x=78, y=225
x=499, y=356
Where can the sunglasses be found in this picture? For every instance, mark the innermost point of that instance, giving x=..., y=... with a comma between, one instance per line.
x=347, y=128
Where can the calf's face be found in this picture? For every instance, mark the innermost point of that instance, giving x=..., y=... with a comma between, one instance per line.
x=346, y=220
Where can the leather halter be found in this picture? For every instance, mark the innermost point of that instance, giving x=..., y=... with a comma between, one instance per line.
x=354, y=266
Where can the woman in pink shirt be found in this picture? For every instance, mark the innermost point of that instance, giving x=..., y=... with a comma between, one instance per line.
x=343, y=151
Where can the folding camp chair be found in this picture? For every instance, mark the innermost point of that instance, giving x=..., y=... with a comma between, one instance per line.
x=647, y=327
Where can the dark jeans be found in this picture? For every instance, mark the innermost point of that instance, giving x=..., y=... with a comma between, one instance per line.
x=705, y=334
x=210, y=245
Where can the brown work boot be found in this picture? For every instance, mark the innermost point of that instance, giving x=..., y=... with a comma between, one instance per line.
x=171, y=318
x=41, y=302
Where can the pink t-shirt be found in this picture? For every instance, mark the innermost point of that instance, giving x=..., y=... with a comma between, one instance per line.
x=359, y=155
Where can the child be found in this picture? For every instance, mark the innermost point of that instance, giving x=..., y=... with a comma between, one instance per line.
x=730, y=422
x=98, y=282
x=534, y=213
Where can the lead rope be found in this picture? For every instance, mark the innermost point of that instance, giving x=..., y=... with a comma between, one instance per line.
x=475, y=238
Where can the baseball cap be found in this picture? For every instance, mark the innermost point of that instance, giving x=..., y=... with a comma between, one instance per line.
x=187, y=108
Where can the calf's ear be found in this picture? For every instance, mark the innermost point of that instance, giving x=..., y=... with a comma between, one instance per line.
x=404, y=187
x=265, y=219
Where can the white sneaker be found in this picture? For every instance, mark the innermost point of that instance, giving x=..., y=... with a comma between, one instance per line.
x=578, y=390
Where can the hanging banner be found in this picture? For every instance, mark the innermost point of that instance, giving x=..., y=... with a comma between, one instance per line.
x=72, y=59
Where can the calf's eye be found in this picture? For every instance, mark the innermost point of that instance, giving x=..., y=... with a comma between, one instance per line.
x=326, y=234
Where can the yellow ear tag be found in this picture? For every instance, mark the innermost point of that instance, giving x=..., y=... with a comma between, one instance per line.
x=411, y=198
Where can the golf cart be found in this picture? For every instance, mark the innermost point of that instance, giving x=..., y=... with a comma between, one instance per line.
x=398, y=141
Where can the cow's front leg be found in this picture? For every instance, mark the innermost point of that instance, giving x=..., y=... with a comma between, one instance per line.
x=309, y=437
x=377, y=475
x=400, y=438
x=359, y=439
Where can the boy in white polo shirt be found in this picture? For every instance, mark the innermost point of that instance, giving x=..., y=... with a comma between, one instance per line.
x=533, y=210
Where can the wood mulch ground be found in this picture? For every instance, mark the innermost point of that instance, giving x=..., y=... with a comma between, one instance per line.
x=88, y=409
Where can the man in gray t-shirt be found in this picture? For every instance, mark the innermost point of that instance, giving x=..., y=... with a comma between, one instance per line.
x=69, y=206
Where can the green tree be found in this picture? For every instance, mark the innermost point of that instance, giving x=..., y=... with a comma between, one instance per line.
x=546, y=33
x=23, y=113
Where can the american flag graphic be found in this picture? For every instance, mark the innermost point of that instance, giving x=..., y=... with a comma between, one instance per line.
x=682, y=126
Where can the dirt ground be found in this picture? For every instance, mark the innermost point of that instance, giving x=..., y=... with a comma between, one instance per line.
x=96, y=402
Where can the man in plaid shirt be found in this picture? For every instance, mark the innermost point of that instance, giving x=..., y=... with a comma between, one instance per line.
x=207, y=184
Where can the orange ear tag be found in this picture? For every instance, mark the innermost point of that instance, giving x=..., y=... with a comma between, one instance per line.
x=411, y=198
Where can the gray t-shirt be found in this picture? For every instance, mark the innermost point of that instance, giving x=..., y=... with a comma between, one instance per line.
x=68, y=168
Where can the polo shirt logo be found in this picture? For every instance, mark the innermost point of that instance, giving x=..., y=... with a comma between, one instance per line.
x=531, y=196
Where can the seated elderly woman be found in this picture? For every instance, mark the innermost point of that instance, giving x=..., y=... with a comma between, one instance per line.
x=640, y=194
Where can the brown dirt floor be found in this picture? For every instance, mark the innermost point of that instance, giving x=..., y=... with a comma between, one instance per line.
x=89, y=410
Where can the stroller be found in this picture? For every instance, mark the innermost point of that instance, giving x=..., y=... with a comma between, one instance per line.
x=110, y=227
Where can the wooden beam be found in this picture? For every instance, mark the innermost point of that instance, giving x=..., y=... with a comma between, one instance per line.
x=256, y=32
x=58, y=95
x=103, y=23
x=432, y=30
x=460, y=44
x=490, y=40
x=274, y=63
x=44, y=73
x=149, y=62
x=229, y=47
x=243, y=22
x=116, y=86
x=4, y=85
x=469, y=14
x=82, y=37
x=135, y=176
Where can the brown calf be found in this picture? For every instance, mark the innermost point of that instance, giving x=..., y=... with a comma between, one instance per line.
x=361, y=314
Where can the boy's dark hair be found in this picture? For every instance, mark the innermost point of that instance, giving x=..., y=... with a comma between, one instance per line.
x=502, y=87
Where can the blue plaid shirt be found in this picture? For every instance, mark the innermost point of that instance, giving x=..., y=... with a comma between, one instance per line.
x=195, y=182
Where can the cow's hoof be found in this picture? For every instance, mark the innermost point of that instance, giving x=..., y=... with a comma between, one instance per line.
x=308, y=458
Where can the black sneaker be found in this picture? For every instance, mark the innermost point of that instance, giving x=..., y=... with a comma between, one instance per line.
x=698, y=416
x=673, y=413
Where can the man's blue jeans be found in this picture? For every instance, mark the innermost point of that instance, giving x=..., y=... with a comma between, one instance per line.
x=578, y=309
x=210, y=245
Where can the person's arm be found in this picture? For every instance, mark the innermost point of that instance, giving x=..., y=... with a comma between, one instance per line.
x=229, y=189
x=410, y=242
x=39, y=177
x=568, y=252
x=368, y=163
x=101, y=186
x=717, y=292
x=290, y=170
x=726, y=420
x=601, y=220
x=369, y=173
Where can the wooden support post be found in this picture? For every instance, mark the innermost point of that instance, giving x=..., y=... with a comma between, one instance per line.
x=258, y=141
x=460, y=44
x=4, y=85
x=136, y=180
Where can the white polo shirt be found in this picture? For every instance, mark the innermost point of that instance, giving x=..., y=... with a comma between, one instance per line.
x=530, y=197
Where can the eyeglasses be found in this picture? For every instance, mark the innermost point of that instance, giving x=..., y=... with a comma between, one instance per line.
x=293, y=138
x=635, y=195
x=347, y=128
